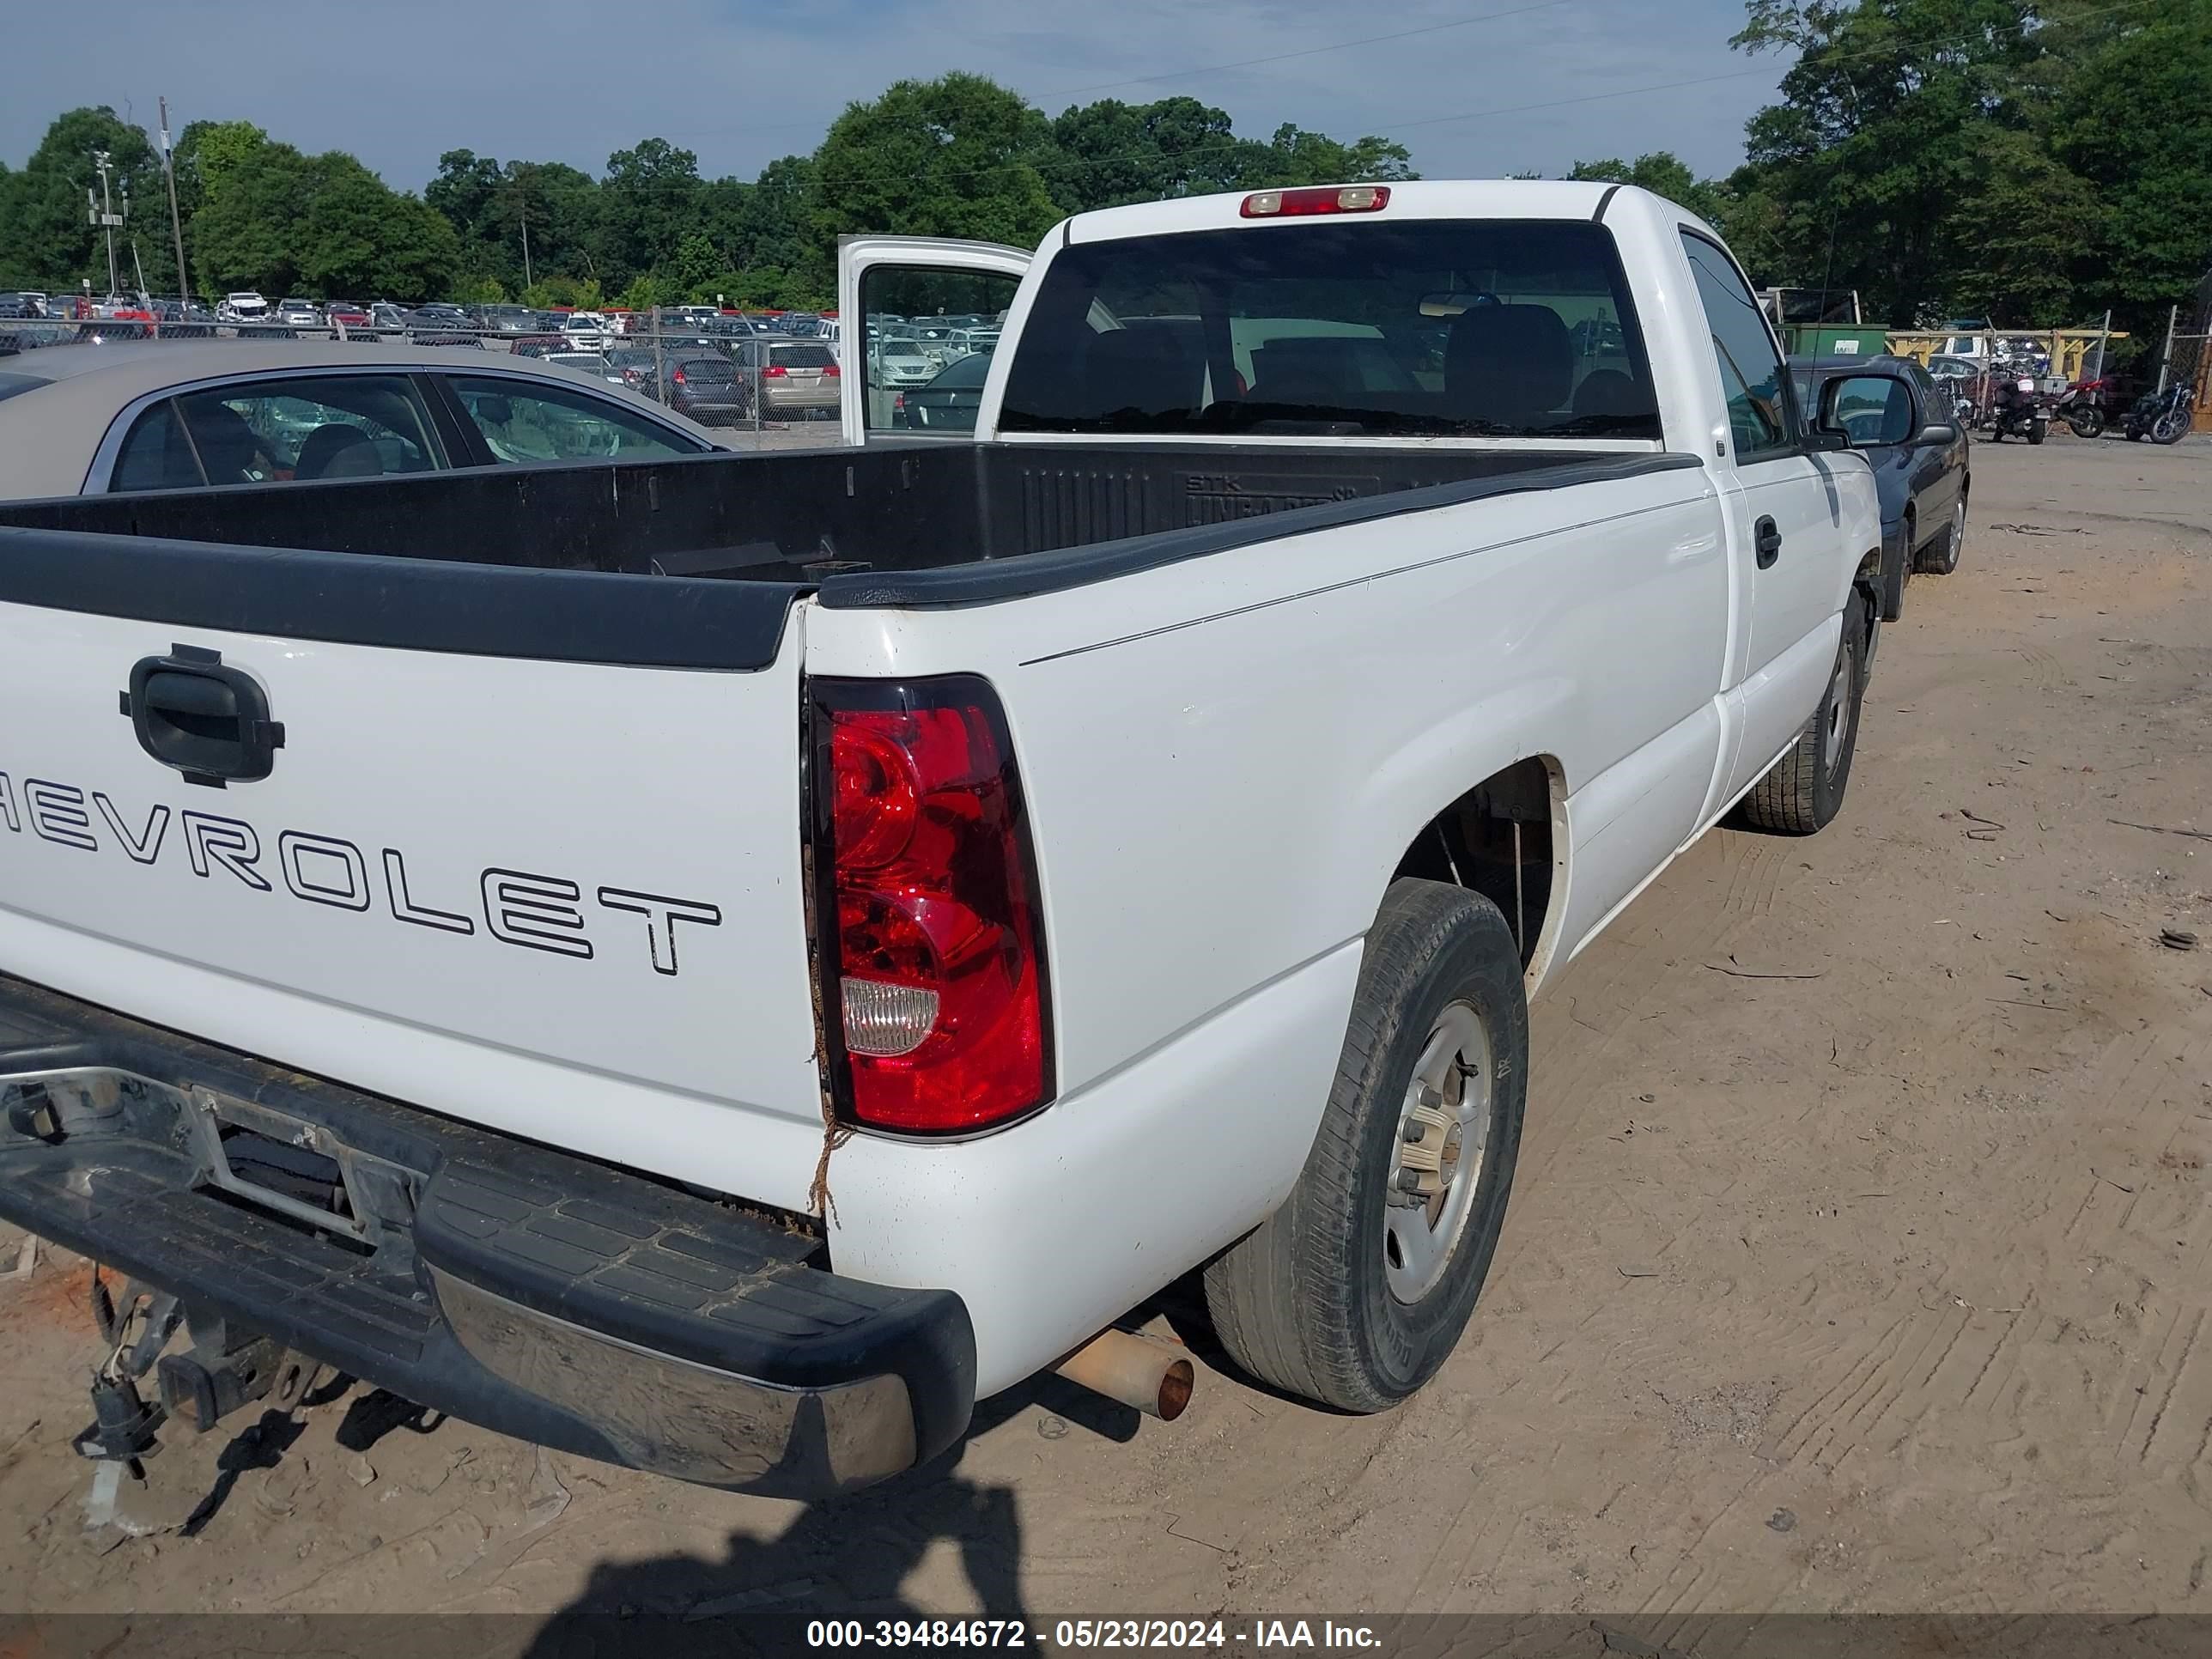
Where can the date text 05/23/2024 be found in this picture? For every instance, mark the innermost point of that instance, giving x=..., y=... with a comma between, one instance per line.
x=1089, y=1633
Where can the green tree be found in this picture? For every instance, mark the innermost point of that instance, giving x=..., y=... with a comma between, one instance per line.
x=272, y=219
x=559, y=291
x=254, y=194
x=770, y=250
x=498, y=211
x=464, y=189
x=1296, y=156
x=561, y=205
x=646, y=291
x=957, y=156
x=1111, y=152
x=1887, y=140
x=46, y=240
x=648, y=200
x=2135, y=124
x=1662, y=173
x=360, y=238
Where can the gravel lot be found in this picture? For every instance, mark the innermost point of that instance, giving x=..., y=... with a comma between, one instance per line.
x=1861, y=1234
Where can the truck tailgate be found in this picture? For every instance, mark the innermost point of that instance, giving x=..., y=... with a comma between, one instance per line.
x=559, y=897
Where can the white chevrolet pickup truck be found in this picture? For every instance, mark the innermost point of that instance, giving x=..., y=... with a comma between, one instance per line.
x=718, y=963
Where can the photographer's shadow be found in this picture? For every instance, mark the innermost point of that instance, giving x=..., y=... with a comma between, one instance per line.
x=846, y=1558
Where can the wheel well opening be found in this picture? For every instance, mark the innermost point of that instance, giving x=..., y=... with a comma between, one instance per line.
x=1496, y=839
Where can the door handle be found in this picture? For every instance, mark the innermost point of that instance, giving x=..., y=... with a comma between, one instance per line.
x=1766, y=543
x=208, y=721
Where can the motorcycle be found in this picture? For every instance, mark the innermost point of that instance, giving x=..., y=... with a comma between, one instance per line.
x=2081, y=406
x=2161, y=416
x=2018, y=411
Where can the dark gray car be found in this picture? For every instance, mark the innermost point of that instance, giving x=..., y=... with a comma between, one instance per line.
x=949, y=403
x=1922, y=477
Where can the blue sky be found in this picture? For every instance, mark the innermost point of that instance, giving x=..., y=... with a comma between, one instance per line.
x=397, y=82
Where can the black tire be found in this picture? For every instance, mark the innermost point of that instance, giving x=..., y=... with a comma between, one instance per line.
x=1305, y=1301
x=2038, y=431
x=1804, y=791
x=2171, y=426
x=1940, y=557
x=1895, y=576
x=2087, y=422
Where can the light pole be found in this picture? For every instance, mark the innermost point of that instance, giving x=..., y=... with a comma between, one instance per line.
x=107, y=216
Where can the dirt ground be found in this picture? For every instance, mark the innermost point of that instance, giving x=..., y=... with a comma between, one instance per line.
x=1860, y=1258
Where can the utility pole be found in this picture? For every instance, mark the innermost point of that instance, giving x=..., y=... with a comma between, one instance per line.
x=107, y=217
x=131, y=239
x=176, y=224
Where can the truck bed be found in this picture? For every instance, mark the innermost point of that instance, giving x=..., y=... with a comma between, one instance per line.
x=917, y=525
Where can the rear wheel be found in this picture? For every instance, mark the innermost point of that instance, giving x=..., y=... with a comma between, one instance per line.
x=1805, y=789
x=2087, y=420
x=1356, y=1289
x=2036, y=431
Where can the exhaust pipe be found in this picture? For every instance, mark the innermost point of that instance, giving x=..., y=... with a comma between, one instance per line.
x=1152, y=1376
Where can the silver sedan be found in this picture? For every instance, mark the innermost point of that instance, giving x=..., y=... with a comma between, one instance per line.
x=191, y=415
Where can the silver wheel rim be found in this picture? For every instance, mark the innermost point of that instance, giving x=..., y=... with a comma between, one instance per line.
x=1839, y=712
x=1958, y=530
x=1436, y=1156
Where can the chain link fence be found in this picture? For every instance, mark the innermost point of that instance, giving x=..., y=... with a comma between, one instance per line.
x=2189, y=363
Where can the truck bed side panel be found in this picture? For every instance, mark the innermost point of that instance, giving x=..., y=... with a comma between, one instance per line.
x=1226, y=757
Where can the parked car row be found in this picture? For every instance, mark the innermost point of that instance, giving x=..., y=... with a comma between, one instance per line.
x=714, y=380
x=1917, y=447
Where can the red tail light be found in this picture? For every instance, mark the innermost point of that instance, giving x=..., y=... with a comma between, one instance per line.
x=1324, y=198
x=772, y=371
x=678, y=377
x=831, y=370
x=932, y=951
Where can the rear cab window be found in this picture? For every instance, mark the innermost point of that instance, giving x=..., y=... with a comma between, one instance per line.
x=1464, y=328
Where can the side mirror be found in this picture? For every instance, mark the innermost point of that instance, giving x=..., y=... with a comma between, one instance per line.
x=1935, y=433
x=1864, y=411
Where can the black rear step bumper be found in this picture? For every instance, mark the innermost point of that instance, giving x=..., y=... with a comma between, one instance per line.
x=529, y=1291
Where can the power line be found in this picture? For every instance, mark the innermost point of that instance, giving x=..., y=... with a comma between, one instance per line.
x=1047, y=165
x=1735, y=74
x=1305, y=51
x=1197, y=71
x=1197, y=153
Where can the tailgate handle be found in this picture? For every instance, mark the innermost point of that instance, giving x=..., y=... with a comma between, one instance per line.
x=208, y=721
